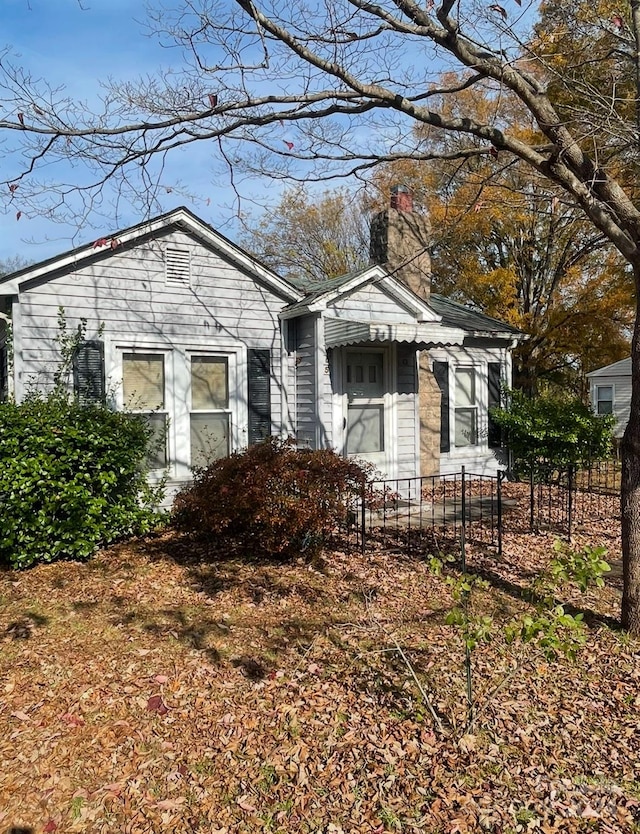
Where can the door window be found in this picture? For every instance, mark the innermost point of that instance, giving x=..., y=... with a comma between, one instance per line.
x=365, y=410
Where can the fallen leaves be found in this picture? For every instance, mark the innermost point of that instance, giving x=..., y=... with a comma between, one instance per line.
x=162, y=692
x=156, y=704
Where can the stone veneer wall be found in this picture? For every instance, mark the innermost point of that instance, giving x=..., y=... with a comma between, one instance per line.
x=429, y=408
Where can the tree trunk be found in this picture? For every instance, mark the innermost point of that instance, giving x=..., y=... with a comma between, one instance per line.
x=630, y=489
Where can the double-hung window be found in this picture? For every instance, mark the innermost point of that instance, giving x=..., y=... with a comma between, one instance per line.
x=604, y=399
x=466, y=408
x=210, y=416
x=144, y=392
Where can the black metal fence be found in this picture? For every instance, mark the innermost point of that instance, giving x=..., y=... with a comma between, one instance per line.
x=409, y=512
x=401, y=511
x=565, y=499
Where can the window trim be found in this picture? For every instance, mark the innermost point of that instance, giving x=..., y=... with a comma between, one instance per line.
x=473, y=407
x=227, y=410
x=598, y=399
x=478, y=360
x=177, y=382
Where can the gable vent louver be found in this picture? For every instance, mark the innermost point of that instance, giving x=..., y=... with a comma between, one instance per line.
x=178, y=266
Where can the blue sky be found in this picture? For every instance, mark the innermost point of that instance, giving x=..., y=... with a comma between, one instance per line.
x=76, y=44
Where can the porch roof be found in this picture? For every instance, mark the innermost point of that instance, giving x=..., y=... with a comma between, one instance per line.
x=339, y=332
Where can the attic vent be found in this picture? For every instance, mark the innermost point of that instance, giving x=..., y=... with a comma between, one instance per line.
x=178, y=266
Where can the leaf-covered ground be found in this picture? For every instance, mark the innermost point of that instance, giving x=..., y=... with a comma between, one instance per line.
x=149, y=691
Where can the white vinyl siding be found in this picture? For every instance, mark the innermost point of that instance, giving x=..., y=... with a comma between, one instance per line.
x=370, y=303
x=127, y=293
x=407, y=417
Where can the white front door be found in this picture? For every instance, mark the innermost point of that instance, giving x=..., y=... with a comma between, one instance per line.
x=367, y=406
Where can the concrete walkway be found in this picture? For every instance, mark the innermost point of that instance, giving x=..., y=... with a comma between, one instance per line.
x=414, y=514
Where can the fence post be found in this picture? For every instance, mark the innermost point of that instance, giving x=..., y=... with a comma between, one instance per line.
x=499, y=484
x=570, y=506
x=531, y=498
x=463, y=553
x=363, y=516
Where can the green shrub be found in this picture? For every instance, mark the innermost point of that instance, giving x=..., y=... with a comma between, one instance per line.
x=71, y=479
x=551, y=430
x=272, y=499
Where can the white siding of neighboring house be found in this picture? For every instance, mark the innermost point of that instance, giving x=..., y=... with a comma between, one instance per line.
x=621, y=384
x=125, y=292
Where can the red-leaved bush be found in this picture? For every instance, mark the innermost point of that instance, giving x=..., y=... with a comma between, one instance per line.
x=272, y=499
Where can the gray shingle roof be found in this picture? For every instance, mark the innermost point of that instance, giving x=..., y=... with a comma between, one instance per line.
x=457, y=315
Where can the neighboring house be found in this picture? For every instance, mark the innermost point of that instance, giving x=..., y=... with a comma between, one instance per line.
x=610, y=392
x=220, y=352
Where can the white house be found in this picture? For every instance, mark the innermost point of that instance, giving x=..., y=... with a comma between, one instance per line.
x=219, y=351
x=610, y=392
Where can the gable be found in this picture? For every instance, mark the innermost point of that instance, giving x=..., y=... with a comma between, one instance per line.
x=132, y=290
x=620, y=368
x=370, y=302
x=159, y=228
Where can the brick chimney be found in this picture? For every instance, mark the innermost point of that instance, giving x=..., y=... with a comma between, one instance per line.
x=400, y=240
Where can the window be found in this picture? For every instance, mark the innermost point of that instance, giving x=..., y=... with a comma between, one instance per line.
x=466, y=410
x=143, y=380
x=604, y=399
x=210, y=415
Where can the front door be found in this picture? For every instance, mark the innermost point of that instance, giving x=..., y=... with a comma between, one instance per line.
x=366, y=418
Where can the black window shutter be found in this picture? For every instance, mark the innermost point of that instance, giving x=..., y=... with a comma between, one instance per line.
x=259, y=371
x=441, y=374
x=493, y=401
x=88, y=372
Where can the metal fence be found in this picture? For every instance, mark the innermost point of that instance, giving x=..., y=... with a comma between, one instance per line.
x=564, y=499
x=404, y=511
x=409, y=513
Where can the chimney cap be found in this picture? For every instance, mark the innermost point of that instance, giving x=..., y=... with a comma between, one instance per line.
x=400, y=189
